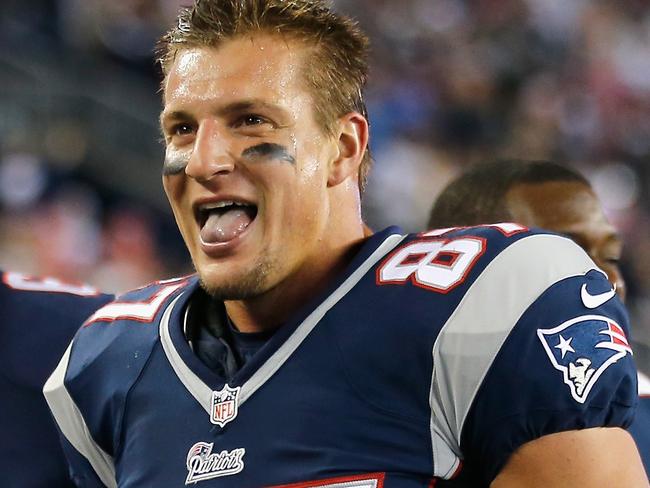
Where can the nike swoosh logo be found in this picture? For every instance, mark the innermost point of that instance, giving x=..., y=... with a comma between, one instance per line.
x=595, y=301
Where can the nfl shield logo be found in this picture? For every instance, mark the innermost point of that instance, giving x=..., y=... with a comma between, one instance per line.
x=224, y=405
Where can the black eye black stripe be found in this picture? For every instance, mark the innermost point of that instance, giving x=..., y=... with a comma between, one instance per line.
x=269, y=150
x=175, y=164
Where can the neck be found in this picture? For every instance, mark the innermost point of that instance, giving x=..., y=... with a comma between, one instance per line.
x=273, y=308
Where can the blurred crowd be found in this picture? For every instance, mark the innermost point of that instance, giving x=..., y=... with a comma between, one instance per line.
x=453, y=83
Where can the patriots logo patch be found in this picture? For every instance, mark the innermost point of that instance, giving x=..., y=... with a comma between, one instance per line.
x=582, y=349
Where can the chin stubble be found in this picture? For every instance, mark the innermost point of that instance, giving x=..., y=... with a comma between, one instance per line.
x=246, y=285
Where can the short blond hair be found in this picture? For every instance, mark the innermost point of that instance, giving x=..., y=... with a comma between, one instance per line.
x=336, y=72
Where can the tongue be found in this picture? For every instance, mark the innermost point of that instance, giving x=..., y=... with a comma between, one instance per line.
x=223, y=227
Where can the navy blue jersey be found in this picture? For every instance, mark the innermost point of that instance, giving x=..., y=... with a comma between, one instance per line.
x=39, y=319
x=640, y=428
x=432, y=354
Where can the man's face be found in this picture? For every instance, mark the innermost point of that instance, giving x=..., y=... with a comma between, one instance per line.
x=570, y=208
x=246, y=165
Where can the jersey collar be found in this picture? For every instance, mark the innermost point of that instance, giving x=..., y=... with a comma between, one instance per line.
x=201, y=382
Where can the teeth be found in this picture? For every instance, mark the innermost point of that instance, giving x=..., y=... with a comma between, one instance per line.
x=222, y=204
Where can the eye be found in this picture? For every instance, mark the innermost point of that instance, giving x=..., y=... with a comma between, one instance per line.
x=179, y=132
x=181, y=129
x=250, y=120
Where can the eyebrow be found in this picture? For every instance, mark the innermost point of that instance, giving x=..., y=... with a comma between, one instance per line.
x=231, y=108
x=170, y=117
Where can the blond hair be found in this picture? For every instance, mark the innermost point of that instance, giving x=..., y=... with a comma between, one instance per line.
x=335, y=72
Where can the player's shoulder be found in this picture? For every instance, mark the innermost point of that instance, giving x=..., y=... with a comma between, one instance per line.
x=495, y=239
x=132, y=317
x=39, y=318
x=518, y=268
x=22, y=295
x=530, y=254
x=117, y=340
x=105, y=361
x=462, y=259
x=528, y=301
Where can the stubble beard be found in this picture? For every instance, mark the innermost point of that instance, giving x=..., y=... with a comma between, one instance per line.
x=246, y=285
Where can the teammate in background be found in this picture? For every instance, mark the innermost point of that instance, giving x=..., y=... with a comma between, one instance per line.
x=557, y=198
x=38, y=319
x=306, y=353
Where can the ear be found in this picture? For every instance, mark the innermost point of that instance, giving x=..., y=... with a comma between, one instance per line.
x=352, y=143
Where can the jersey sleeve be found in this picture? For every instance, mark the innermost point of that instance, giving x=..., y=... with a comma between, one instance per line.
x=88, y=391
x=90, y=465
x=83, y=474
x=539, y=346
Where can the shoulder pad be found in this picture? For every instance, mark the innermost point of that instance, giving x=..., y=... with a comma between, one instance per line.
x=39, y=318
x=141, y=305
x=107, y=356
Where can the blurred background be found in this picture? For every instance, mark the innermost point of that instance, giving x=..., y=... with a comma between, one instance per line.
x=453, y=82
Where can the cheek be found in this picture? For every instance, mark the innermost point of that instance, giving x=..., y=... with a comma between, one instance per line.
x=174, y=189
x=293, y=201
x=314, y=160
x=319, y=153
x=309, y=172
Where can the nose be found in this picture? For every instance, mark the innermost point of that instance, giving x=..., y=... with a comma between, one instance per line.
x=211, y=153
x=615, y=277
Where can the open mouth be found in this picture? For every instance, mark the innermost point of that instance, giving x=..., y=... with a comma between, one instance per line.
x=225, y=220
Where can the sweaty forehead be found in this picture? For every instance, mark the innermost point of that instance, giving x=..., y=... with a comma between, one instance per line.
x=248, y=67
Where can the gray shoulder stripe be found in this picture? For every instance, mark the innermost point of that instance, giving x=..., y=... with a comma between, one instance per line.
x=282, y=354
x=473, y=335
x=72, y=424
x=203, y=394
x=199, y=390
x=644, y=384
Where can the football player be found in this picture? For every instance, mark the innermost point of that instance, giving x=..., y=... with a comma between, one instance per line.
x=39, y=317
x=305, y=353
x=555, y=197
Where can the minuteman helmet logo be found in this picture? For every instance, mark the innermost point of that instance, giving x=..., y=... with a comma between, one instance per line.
x=224, y=405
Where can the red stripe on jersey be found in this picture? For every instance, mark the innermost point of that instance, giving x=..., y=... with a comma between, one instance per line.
x=618, y=335
x=378, y=477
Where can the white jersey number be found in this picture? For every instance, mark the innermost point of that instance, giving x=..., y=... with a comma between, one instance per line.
x=436, y=265
x=140, y=310
x=20, y=281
